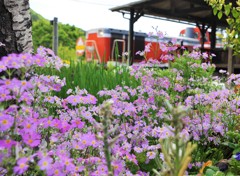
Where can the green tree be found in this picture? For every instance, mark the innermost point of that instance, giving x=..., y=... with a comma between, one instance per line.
x=42, y=32
x=231, y=10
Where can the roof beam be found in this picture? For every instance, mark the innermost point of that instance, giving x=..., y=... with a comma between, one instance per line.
x=191, y=10
x=198, y=2
x=182, y=16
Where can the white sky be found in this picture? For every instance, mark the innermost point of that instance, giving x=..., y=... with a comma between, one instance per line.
x=90, y=14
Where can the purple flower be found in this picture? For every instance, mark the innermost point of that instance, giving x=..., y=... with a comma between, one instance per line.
x=26, y=97
x=78, y=123
x=138, y=149
x=160, y=34
x=45, y=163
x=68, y=163
x=32, y=139
x=163, y=47
x=2, y=67
x=6, y=121
x=151, y=155
x=73, y=100
x=56, y=169
x=237, y=156
x=118, y=167
x=29, y=125
x=91, y=99
x=22, y=166
x=4, y=94
x=38, y=60
x=205, y=55
x=7, y=143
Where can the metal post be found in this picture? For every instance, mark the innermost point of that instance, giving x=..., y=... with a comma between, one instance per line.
x=55, y=35
x=130, y=38
x=203, y=29
x=230, y=61
x=213, y=36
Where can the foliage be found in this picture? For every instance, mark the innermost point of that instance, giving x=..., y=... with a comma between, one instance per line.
x=42, y=33
x=92, y=77
x=176, y=150
x=232, y=14
x=67, y=54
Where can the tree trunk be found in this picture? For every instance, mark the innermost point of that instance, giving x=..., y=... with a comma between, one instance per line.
x=15, y=27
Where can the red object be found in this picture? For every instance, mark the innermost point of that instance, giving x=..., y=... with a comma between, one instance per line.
x=106, y=44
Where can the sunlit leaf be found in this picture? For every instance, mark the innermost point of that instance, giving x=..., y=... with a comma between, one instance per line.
x=220, y=14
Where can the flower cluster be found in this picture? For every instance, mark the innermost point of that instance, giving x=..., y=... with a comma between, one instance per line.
x=41, y=132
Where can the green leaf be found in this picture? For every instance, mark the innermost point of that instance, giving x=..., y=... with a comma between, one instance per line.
x=220, y=14
x=227, y=9
x=215, y=11
x=230, y=144
x=230, y=174
x=209, y=172
x=235, y=13
x=219, y=173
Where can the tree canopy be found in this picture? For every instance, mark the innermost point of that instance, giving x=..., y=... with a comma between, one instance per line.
x=42, y=32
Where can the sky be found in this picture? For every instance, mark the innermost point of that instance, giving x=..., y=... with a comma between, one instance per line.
x=91, y=14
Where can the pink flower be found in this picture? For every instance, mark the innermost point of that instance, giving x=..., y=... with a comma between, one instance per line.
x=45, y=163
x=205, y=55
x=26, y=97
x=7, y=143
x=73, y=100
x=6, y=122
x=32, y=139
x=92, y=140
x=91, y=99
x=38, y=60
x=163, y=47
x=56, y=123
x=78, y=123
x=29, y=125
x=14, y=62
x=65, y=126
x=68, y=163
x=101, y=170
x=22, y=166
x=56, y=169
x=4, y=94
x=84, y=141
x=2, y=67
x=138, y=149
x=47, y=122
x=118, y=167
x=151, y=155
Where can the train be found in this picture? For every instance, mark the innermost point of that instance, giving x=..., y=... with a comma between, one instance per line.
x=108, y=44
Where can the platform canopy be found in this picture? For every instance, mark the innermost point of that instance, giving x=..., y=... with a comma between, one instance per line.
x=185, y=11
x=196, y=12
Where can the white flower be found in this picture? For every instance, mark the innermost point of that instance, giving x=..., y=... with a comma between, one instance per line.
x=222, y=71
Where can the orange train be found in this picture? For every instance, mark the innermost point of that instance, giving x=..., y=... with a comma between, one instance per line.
x=106, y=44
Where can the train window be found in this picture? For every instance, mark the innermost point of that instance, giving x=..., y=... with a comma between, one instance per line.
x=100, y=32
x=196, y=34
x=182, y=35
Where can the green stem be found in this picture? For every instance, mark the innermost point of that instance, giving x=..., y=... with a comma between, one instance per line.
x=106, y=147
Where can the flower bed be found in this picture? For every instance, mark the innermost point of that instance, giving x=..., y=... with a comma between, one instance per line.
x=152, y=128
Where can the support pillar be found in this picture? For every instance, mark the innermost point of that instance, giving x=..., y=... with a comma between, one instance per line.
x=203, y=29
x=230, y=61
x=130, y=38
x=213, y=36
x=133, y=18
x=54, y=22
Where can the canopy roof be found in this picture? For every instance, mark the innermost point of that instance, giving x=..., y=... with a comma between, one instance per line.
x=185, y=11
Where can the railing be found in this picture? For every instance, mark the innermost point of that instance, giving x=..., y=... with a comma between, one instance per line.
x=91, y=49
